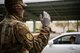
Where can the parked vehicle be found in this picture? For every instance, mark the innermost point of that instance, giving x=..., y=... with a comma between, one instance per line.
x=62, y=43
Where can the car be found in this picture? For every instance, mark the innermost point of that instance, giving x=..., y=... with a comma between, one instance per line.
x=62, y=43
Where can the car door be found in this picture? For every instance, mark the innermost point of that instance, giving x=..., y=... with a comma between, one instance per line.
x=61, y=45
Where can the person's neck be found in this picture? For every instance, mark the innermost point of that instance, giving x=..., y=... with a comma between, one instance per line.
x=72, y=42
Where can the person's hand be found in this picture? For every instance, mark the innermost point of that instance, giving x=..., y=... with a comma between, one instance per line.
x=45, y=19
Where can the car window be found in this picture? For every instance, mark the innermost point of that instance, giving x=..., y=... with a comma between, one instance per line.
x=65, y=40
x=78, y=39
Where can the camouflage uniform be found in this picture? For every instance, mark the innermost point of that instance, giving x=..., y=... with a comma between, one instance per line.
x=16, y=38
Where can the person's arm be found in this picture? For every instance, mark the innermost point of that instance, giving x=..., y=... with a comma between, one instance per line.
x=41, y=40
x=31, y=43
x=25, y=37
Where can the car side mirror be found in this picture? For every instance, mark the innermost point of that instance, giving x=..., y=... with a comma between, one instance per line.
x=51, y=43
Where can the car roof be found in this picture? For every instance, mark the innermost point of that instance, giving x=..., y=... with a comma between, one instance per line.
x=68, y=33
x=64, y=34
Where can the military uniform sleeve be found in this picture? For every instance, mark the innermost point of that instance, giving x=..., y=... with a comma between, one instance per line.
x=24, y=36
x=33, y=44
x=41, y=40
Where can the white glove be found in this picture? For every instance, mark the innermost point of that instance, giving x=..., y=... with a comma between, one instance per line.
x=45, y=19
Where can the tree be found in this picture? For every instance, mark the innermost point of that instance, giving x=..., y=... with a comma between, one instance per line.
x=62, y=24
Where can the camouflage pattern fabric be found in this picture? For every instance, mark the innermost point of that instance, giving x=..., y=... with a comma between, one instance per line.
x=16, y=38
